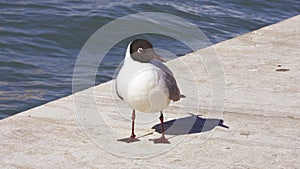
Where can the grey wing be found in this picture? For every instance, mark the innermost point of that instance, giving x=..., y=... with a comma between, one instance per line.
x=174, y=92
x=116, y=87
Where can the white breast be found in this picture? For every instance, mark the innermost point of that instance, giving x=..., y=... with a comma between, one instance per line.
x=147, y=92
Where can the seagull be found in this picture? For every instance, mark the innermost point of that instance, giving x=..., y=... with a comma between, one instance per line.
x=146, y=84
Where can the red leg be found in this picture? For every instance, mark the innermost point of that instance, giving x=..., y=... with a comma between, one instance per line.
x=132, y=137
x=162, y=139
x=161, y=118
x=132, y=127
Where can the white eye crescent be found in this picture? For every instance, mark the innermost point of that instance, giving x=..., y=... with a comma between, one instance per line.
x=140, y=50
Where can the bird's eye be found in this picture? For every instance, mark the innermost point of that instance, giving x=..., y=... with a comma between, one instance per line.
x=140, y=50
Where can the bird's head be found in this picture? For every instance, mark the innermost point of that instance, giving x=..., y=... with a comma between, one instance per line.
x=142, y=51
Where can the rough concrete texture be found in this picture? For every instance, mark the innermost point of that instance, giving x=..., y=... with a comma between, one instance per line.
x=261, y=109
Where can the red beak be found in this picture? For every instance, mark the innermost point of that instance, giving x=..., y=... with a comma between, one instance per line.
x=159, y=58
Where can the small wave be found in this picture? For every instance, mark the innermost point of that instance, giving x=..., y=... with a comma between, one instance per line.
x=3, y=116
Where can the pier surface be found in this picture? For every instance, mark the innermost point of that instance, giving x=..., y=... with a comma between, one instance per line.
x=260, y=125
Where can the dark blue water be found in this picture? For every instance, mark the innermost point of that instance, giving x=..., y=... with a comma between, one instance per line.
x=40, y=40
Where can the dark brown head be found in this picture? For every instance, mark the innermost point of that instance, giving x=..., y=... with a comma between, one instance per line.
x=142, y=51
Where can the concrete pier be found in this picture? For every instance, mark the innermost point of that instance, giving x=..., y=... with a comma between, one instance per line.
x=260, y=125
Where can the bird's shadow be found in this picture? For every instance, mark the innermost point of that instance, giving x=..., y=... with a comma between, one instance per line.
x=189, y=125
